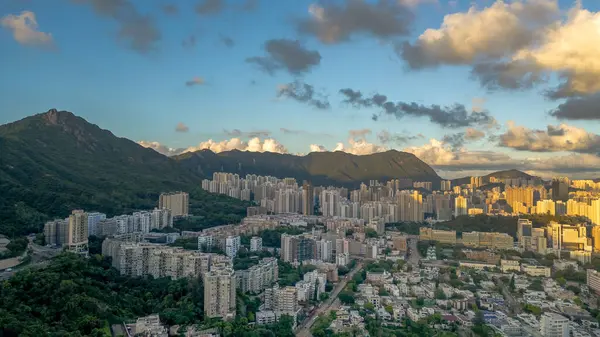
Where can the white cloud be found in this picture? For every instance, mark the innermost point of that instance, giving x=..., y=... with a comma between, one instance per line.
x=317, y=148
x=25, y=29
x=572, y=49
x=473, y=134
x=555, y=138
x=494, y=32
x=253, y=145
x=162, y=149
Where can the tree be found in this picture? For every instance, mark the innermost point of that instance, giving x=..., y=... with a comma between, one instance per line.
x=346, y=297
x=371, y=233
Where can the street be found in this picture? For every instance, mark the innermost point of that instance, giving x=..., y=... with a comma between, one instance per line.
x=303, y=329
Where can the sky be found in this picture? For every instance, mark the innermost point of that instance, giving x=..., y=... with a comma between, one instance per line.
x=470, y=87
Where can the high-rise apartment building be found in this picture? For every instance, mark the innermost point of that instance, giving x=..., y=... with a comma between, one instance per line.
x=560, y=189
x=77, y=232
x=554, y=325
x=282, y=300
x=308, y=199
x=255, y=244
x=258, y=277
x=56, y=232
x=93, y=220
x=219, y=293
x=232, y=245
x=524, y=233
x=177, y=202
x=446, y=185
x=460, y=206
x=593, y=280
x=476, y=182
x=410, y=204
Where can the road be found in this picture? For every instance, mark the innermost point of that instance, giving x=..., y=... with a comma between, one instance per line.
x=39, y=258
x=303, y=330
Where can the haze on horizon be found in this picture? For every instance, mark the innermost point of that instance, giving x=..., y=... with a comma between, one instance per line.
x=469, y=87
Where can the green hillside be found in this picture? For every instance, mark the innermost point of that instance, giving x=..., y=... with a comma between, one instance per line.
x=54, y=162
x=321, y=168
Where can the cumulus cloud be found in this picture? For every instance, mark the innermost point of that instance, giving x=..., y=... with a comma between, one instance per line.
x=237, y=133
x=491, y=33
x=473, y=135
x=455, y=116
x=570, y=49
x=357, y=144
x=285, y=54
x=182, y=127
x=253, y=145
x=579, y=108
x=554, y=139
x=25, y=29
x=441, y=155
x=139, y=31
x=210, y=7
x=333, y=22
x=317, y=148
x=304, y=93
x=162, y=149
x=452, y=163
x=516, y=45
x=195, y=81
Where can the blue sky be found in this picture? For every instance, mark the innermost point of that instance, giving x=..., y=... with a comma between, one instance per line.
x=74, y=60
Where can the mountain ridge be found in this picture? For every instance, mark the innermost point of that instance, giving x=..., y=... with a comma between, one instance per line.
x=321, y=168
x=54, y=162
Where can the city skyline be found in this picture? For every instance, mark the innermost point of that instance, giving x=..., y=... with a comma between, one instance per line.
x=321, y=80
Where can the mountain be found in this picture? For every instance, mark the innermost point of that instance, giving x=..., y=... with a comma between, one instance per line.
x=499, y=175
x=321, y=168
x=54, y=162
x=509, y=174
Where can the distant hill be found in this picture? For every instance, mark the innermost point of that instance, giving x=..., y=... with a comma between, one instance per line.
x=321, y=168
x=54, y=162
x=509, y=174
x=499, y=175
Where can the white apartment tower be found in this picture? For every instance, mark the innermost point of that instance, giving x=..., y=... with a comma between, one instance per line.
x=232, y=245
x=219, y=293
x=255, y=244
x=554, y=325
x=177, y=202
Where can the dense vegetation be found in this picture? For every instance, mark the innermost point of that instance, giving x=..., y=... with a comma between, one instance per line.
x=321, y=168
x=15, y=248
x=55, y=162
x=74, y=296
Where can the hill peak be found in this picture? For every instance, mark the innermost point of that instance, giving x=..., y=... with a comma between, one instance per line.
x=56, y=117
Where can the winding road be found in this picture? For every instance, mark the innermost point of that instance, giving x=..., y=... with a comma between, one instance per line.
x=303, y=330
